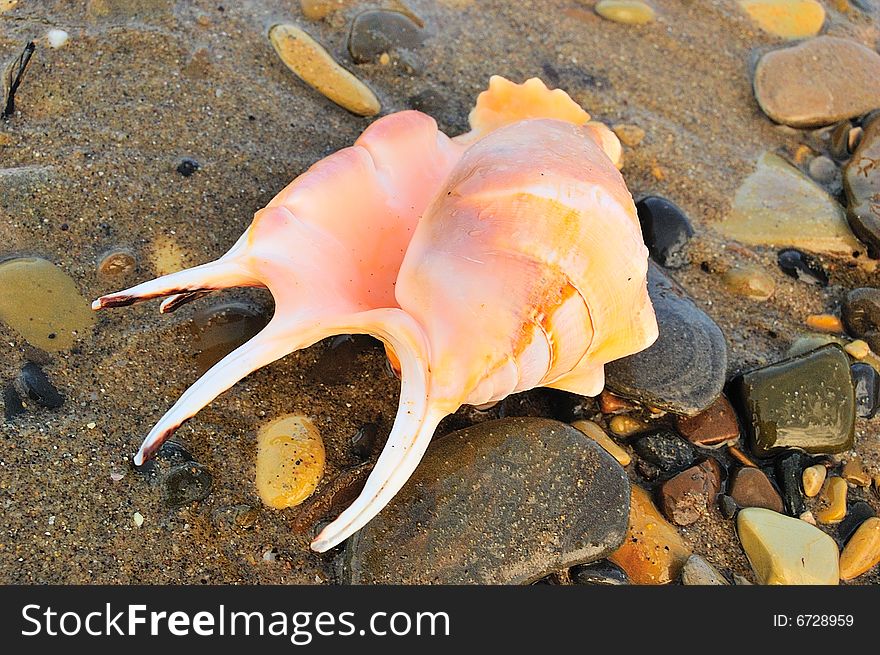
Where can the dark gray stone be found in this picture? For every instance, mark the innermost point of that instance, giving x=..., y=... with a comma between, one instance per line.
x=502, y=502
x=667, y=230
x=861, y=315
x=37, y=386
x=376, y=32
x=665, y=449
x=185, y=484
x=599, y=573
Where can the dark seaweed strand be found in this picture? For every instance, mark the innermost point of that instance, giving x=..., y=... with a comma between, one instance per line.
x=15, y=75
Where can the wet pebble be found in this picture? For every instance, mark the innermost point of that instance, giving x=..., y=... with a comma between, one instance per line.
x=813, y=478
x=374, y=33
x=628, y=12
x=802, y=267
x=57, y=38
x=750, y=487
x=41, y=302
x=117, y=262
x=824, y=323
x=663, y=448
x=611, y=404
x=38, y=387
x=698, y=572
x=460, y=517
x=653, y=552
x=833, y=501
x=716, y=425
x=319, y=9
x=626, y=426
x=365, y=441
x=666, y=230
x=789, y=467
x=854, y=472
x=12, y=405
x=727, y=506
x=685, y=497
x=861, y=315
x=790, y=19
x=290, y=461
x=602, y=572
x=685, y=369
x=219, y=329
x=861, y=181
x=317, y=68
x=805, y=402
x=187, y=167
x=818, y=82
x=862, y=551
x=749, y=280
x=184, y=484
x=786, y=551
x=597, y=434
x=629, y=135
x=825, y=172
x=856, y=514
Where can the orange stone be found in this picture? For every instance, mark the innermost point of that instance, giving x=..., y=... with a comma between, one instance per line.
x=825, y=323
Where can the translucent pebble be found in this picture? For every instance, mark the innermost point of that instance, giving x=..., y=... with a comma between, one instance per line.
x=290, y=461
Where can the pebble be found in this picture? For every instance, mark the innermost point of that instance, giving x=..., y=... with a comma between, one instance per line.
x=778, y=206
x=727, y=506
x=597, y=434
x=602, y=572
x=786, y=551
x=663, y=448
x=611, y=404
x=290, y=461
x=185, y=484
x=117, y=262
x=335, y=496
x=802, y=267
x=716, y=425
x=629, y=135
x=57, y=38
x=188, y=167
x=41, y=302
x=789, y=468
x=749, y=280
x=666, y=230
x=37, y=386
x=626, y=426
x=825, y=171
x=685, y=370
x=138, y=519
x=628, y=12
x=857, y=349
x=365, y=441
x=685, y=497
x=866, y=383
x=6, y=5
x=485, y=506
x=319, y=9
x=377, y=32
x=805, y=402
x=824, y=323
x=818, y=82
x=810, y=342
x=854, y=472
x=653, y=552
x=317, y=68
x=856, y=514
x=861, y=182
x=833, y=497
x=861, y=315
x=813, y=479
x=862, y=551
x=790, y=19
x=12, y=405
x=219, y=329
x=808, y=517
x=750, y=487
x=698, y=572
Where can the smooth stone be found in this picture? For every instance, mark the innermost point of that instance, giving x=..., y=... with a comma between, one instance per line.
x=185, y=484
x=825, y=171
x=750, y=487
x=374, y=33
x=365, y=441
x=786, y=551
x=857, y=349
x=790, y=19
x=805, y=402
x=856, y=514
x=789, y=468
x=685, y=497
x=862, y=551
x=611, y=404
x=626, y=426
x=813, y=479
x=751, y=281
x=188, y=166
x=833, y=499
x=828, y=323
x=629, y=135
x=778, y=206
x=41, y=302
x=319, y=9
x=812, y=342
x=628, y=12
x=219, y=329
x=802, y=267
x=117, y=262
x=666, y=230
x=854, y=472
x=716, y=425
x=698, y=572
x=653, y=552
x=12, y=405
x=597, y=434
x=486, y=505
x=38, y=387
x=861, y=182
x=316, y=67
x=861, y=314
x=685, y=369
x=335, y=496
x=290, y=461
x=727, y=506
x=818, y=82
x=598, y=573
x=663, y=448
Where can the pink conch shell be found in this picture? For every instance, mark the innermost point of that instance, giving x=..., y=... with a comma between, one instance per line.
x=504, y=259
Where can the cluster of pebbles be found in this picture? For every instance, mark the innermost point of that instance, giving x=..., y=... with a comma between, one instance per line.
x=689, y=439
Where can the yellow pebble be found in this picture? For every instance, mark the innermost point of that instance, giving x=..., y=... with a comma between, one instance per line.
x=629, y=135
x=290, y=461
x=857, y=349
x=854, y=472
x=629, y=12
x=624, y=426
x=790, y=19
x=813, y=478
x=862, y=551
x=598, y=435
x=825, y=323
x=834, y=496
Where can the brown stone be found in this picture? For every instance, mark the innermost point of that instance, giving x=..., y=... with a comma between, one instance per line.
x=715, y=425
x=611, y=404
x=854, y=473
x=752, y=488
x=685, y=497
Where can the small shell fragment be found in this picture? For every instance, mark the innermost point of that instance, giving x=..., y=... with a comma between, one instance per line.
x=314, y=66
x=290, y=461
x=138, y=519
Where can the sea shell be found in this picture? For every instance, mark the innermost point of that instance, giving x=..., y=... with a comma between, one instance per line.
x=505, y=259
